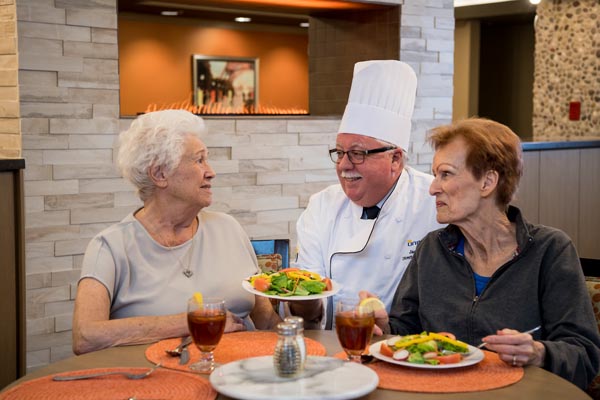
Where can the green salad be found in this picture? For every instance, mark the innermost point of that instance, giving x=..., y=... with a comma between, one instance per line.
x=290, y=282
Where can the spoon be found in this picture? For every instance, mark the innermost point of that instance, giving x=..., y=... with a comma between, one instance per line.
x=176, y=352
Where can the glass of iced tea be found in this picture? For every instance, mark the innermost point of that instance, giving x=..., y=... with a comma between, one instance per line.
x=206, y=322
x=354, y=326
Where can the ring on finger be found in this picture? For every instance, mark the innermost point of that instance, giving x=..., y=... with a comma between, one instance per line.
x=514, y=360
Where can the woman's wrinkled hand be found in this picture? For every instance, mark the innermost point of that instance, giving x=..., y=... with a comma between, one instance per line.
x=381, y=317
x=516, y=348
x=233, y=323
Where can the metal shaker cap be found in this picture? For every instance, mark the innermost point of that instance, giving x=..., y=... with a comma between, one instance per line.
x=286, y=329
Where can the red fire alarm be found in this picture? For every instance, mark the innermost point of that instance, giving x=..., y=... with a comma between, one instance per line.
x=574, y=110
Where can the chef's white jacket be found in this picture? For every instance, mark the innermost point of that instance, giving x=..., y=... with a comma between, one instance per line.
x=360, y=254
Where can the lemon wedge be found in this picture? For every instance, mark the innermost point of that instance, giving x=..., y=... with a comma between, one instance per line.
x=372, y=304
x=198, y=297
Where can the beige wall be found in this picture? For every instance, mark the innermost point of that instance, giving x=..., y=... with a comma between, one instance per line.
x=466, y=75
x=543, y=199
x=10, y=129
x=567, y=68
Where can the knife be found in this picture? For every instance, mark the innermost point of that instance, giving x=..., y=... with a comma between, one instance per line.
x=185, y=356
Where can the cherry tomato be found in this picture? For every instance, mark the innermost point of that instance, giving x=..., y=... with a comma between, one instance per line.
x=327, y=283
x=449, y=359
x=386, y=350
x=261, y=284
x=448, y=335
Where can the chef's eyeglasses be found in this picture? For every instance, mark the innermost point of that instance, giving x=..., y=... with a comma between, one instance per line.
x=356, y=156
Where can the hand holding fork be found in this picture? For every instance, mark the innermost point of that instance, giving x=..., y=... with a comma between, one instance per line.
x=530, y=331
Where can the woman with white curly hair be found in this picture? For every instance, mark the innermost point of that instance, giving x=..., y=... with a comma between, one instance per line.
x=138, y=274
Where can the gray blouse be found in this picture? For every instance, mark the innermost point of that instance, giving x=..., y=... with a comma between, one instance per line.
x=143, y=277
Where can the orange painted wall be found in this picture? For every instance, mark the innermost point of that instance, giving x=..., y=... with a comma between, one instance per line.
x=155, y=62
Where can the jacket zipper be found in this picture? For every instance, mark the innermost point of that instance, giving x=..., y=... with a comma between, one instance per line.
x=477, y=297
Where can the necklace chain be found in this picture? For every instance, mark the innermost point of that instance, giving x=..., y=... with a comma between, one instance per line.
x=187, y=271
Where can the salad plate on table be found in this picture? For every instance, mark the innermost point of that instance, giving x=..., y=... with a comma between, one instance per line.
x=292, y=285
x=474, y=356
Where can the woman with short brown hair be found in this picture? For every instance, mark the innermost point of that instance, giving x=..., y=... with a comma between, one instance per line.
x=489, y=276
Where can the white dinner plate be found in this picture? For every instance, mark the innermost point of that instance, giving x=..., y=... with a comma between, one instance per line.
x=335, y=287
x=475, y=356
x=325, y=378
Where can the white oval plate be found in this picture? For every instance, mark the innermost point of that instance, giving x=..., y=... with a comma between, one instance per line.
x=335, y=287
x=324, y=378
x=473, y=358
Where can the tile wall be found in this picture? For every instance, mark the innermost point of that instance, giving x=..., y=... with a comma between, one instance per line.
x=10, y=138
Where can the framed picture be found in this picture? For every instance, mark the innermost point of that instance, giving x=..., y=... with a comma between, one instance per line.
x=225, y=85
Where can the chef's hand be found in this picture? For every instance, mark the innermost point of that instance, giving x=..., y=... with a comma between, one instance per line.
x=310, y=310
x=233, y=323
x=381, y=317
x=516, y=348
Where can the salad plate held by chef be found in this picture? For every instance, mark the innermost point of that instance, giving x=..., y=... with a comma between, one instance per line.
x=291, y=284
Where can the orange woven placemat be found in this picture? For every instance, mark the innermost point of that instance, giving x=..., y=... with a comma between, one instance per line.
x=490, y=373
x=232, y=347
x=162, y=384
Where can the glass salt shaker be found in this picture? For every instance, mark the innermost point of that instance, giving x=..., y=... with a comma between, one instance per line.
x=287, y=358
x=298, y=322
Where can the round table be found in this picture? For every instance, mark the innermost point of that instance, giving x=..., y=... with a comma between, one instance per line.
x=537, y=383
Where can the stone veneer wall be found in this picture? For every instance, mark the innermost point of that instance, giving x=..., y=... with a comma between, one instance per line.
x=69, y=88
x=427, y=44
x=10, y=129
x=267, y=167
x=567, y=68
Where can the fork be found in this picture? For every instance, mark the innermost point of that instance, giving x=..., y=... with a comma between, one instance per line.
x=530, y=331
x=128, y=375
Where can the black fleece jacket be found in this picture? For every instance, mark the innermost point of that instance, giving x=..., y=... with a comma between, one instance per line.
x=543, y=285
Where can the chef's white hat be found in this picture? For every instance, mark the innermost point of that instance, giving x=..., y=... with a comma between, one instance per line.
x=381, y=101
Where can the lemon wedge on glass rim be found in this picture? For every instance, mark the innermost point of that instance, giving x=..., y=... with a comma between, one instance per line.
x=371, y=304
x=198, y=297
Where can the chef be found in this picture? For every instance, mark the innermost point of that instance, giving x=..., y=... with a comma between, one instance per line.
x=362, y=232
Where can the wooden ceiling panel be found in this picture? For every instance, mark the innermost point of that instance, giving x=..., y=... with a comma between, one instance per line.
x=276, y=11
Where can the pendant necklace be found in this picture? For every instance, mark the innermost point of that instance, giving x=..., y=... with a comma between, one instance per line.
x=187, y=271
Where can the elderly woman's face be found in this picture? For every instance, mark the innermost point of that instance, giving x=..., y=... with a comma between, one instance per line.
x=457, y=192
x=190, y=182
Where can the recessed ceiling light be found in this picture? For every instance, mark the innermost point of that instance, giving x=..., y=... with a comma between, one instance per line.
x=168, y=13
x=534, y=1
x=304, y=24
x=243, y=19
